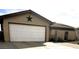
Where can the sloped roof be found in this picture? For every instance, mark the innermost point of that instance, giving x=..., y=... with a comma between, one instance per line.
x=52, y=24
x=24, y=12
x=77, y=28
x=58, y=25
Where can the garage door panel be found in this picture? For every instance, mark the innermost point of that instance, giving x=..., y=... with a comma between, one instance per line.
x=26, y=33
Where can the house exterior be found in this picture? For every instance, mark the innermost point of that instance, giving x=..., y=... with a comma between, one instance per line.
x=26, y=26
x=61, y=32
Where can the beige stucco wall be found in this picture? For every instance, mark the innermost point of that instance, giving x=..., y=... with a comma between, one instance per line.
x=60, y=34
x=52, y=34
x=77, y=33
x=72, y=35
x=23, y=20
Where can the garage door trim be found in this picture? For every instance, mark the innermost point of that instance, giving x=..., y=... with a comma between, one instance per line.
x=28, y=25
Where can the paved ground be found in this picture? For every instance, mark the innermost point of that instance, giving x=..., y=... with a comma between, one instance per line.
x=21, y=45
x=74, y=44
x=18, y=45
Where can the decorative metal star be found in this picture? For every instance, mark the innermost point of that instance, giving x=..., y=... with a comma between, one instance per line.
x=29, y=18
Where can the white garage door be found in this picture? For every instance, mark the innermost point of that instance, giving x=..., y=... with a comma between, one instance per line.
x=26, y=33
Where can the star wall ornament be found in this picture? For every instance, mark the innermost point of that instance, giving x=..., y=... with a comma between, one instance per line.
x=29, y=18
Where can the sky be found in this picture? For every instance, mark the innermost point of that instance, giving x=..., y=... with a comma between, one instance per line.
x=60, y=11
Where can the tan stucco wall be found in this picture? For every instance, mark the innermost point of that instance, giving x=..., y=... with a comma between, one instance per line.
x=23, y=20
x=60, y=34
x=72, y=35
x=77, y=34
x=52, y=34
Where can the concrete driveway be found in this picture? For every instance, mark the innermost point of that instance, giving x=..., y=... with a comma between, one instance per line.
x=42, y=45
x=19, y=45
